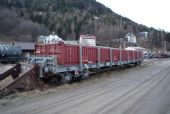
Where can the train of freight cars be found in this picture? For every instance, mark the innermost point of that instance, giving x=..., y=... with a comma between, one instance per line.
x=9, y=53
x=66, y=61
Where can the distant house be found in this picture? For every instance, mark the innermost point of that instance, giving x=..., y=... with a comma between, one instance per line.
x=143, y=35
x=130, y=37
x=27, y=48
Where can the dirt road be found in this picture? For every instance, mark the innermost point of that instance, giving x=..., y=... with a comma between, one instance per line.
x=142, y=90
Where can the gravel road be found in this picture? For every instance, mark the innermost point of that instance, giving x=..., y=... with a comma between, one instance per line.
x=141, y=90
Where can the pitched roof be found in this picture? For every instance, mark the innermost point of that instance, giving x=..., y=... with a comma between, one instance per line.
x=25, y=45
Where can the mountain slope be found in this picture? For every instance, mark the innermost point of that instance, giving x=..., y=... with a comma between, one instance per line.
x=69, y=19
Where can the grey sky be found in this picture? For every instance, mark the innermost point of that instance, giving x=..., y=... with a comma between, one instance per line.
x=152, y=13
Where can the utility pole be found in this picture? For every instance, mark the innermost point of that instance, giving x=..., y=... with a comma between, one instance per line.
x=164, y=50
x=120, y=43
x=124, y=44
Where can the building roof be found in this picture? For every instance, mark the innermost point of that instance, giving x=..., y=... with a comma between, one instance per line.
x=49, y=39
x=25, y=45
x=130, y=35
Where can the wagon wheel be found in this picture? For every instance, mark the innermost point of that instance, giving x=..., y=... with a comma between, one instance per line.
x=66, y=77
x=85, y=74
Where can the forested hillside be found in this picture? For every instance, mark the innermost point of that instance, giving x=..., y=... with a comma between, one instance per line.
x=24, y=20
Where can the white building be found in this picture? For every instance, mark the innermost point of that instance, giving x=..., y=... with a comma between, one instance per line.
x=49, y=39
x=130, y=37
x=87, y=40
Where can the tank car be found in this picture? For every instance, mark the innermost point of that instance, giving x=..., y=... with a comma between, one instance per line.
x=10, y=53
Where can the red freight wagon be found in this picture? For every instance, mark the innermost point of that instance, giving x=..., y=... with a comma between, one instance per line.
x=89, y=54
x=104, y=55
x=115, y=55
x=65, y=54
x=47, y=49
x=69, y=55
x=130, y=53
x=124, y=55
x=73, y=60
x=68, y=61
x=135, y=54
x=140, y=54
x=39, y=49
x=53, y=49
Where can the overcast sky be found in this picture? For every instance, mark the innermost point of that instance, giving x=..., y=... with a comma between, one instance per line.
x=152, y=13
